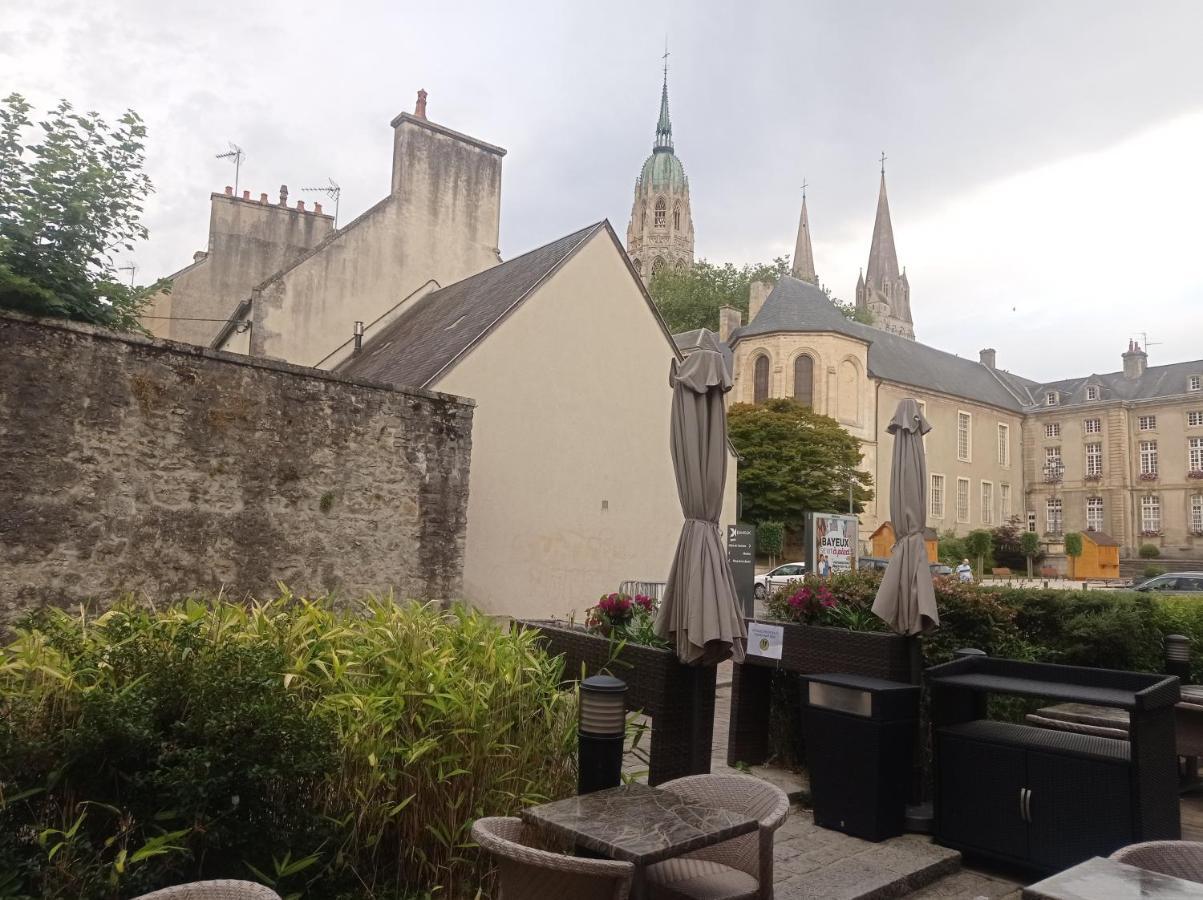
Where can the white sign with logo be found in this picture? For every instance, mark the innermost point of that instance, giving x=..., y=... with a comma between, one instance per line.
x=765, y=640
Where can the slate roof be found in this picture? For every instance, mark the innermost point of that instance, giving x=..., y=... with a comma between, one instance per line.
x=795, y=305
x=445, y=324
x=1156, y=382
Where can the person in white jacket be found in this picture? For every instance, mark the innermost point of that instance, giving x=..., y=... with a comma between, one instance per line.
x=965, y=571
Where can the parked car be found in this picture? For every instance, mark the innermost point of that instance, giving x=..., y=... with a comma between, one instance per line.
x=873, y=562
x=1173, y=583
x=778, y=578
x=939, y=570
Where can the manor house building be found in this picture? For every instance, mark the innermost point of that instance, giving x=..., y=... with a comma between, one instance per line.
x=1119, y=453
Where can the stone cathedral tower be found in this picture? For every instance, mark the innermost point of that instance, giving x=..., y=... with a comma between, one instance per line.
x=661, y=229
x=882, y=289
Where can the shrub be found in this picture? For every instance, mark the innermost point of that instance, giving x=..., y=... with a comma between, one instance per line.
x=770, y=539
x=951, y=549
x=328, y=754
x=1149, y=551
x=1152, y=571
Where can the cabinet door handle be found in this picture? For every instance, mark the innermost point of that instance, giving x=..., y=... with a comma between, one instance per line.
x=1022, y=810
x=1027, y=804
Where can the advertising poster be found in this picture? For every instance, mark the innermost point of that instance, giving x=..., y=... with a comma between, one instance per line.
x=832, y=543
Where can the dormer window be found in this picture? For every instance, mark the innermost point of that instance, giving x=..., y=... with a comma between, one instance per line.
x=1092, y=393
x=1194, y=383
x=1050, y=398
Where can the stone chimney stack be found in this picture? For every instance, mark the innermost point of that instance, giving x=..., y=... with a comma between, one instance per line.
x=757, y=294
x=729, y=318
x=1135, y=361
x=987, y=358
x=284, y=195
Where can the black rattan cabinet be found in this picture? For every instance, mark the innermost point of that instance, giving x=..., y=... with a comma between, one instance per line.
x=1051, y=799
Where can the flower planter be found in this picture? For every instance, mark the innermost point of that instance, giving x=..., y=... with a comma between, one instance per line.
x=678, y=698
x=806, y=650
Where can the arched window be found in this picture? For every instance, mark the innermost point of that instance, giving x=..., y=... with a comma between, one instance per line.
x=677, y=216
x=660, y=210
x=638, y=264
x=680, y=266
x=760, y=380
x=804, y=380
x=657, y=264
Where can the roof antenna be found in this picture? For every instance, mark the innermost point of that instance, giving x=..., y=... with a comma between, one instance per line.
x=236, y=154
x=131, y=268
x=333, y=191
x=1144, y=338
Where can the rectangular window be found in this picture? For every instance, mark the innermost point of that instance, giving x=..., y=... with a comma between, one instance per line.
x=1052, y=512
x=1093, y=426
x=987, y=503
x=1094, y=513
x=1194, y=382
x=1050, y=399
x=937, y=496
x=1052, y=430
x=1004, y=502
x=1147, y=423
x=1196, y=513
x=1148, y=457
x=1004, y=446
x=1194, y=450
x=964, y=435
x=1094, y=459
x=1031, y=521
x=962, y=499
x=1054, y=469
x=1092, y=393
x=1194, y=418
x=1150, y=513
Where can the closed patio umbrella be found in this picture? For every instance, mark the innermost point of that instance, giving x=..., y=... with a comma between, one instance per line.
x=906, y=599
x=699, y=611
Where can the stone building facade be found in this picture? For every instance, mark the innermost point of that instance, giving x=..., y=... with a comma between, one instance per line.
x=660, y=232
x=168, y=470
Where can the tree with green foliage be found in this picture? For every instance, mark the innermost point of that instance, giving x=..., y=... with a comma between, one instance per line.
x=770, y=539
x=1029, y=543
x=690, y=298
x=794, y=461
x=850, y=310
x=1007, y=549
x=1073, y=549
x=978, y=544
x=68, y=202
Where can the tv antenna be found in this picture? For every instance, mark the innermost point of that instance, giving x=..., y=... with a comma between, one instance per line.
x=237, y=155
x=333, y=191
x=1144, y=337
x=131, y=268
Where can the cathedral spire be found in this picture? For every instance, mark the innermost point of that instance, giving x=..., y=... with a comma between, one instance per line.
x=883, y=258
x=804, y=258
x=664, y=127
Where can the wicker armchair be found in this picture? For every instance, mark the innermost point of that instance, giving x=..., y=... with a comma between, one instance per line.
x=738, y=869
x=214, y=890
x=528, y=873
x=1181, y=859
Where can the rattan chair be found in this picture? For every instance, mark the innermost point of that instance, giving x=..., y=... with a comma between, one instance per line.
x=1181, y=859
x=214, y=890
x=738, y=869
x=526, y=872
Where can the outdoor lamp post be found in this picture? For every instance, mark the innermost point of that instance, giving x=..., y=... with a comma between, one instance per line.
x=1177, y=656
x=601, y=729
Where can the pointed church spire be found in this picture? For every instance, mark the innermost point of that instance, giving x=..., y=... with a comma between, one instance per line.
x=883, y=258
x=804, y=258
x=664, y=127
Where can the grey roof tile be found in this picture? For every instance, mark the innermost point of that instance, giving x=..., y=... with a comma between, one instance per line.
x=1155, y=383
x=444, y=324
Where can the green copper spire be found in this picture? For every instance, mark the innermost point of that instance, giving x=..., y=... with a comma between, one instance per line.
x=664, y=127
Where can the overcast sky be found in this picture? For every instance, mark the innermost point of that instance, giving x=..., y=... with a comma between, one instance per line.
x=1043, y=157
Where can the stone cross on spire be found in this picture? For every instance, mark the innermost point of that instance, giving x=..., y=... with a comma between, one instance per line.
x=804, y=258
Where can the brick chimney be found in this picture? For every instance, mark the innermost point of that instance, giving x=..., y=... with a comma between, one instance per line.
x=729, y=318
x=420, y=106
x=757, y=294
x=1135, y=361
x=986, y=358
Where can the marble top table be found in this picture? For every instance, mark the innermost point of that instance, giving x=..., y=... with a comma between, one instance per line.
x=1098, y=878
x=639, y=824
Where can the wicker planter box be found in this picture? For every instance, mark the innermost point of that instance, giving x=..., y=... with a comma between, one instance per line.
x=807, y=650
x=679, y=699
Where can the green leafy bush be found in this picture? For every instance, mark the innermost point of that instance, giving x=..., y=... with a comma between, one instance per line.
x=328, y=754
x=1149, y=551
x=1152, y=571
x=770, y=539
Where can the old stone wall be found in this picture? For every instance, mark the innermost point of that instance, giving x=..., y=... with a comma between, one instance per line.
x=136, y=465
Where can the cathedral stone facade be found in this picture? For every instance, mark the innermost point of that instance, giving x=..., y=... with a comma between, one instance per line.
x=660, y=232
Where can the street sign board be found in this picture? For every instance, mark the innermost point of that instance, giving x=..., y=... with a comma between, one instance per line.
x=741, y=553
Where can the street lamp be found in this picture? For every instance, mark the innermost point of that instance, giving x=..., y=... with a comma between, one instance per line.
x=1054, y=471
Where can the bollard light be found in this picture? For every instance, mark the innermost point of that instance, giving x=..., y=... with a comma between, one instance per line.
x=601, y=730
x=1177, y=656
